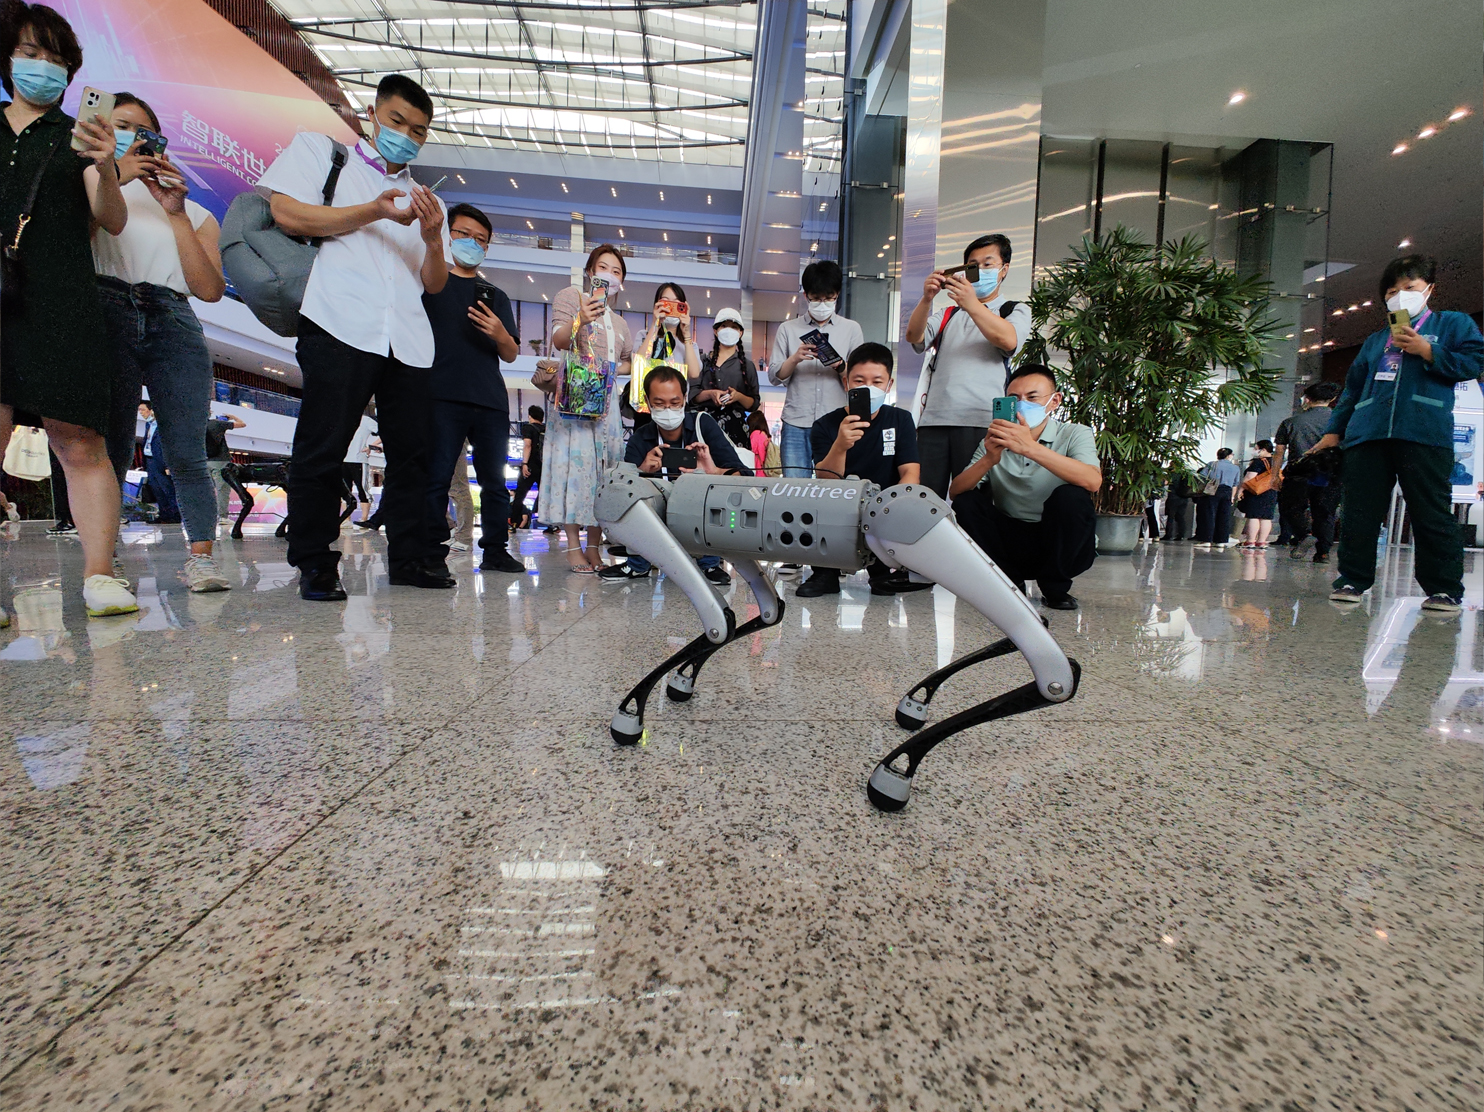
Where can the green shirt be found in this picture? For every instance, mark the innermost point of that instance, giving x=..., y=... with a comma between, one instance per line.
x=1021, y=486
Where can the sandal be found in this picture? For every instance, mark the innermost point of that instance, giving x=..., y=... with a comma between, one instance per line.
x=580, y=568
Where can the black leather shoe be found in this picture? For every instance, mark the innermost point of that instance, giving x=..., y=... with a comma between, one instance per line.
x=817, y=585
x=421, y=577
x=497, y=559
x=1066, y=602
x=717, y=575
x=321, y=586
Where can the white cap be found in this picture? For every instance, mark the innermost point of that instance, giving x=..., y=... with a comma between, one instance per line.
x=728, y=314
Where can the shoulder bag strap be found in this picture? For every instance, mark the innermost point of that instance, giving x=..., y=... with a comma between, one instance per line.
x=338, y=155
x=25, y=216
x=925, y=376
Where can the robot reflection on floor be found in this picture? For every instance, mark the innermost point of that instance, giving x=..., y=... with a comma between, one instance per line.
x=832, y=524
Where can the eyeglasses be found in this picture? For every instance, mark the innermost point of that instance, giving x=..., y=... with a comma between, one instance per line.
x=662, y=405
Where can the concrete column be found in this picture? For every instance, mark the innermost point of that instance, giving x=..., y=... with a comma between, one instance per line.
x=579, y=246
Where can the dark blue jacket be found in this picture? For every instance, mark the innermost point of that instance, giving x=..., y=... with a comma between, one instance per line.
x=1418, y=405
x=698, y=426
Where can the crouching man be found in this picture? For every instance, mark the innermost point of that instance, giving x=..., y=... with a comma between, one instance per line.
x=1026, y=496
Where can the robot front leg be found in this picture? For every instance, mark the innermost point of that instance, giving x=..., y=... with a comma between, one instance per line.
x=682, y=684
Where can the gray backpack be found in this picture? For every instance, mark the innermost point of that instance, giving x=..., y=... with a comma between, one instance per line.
x=267, y=267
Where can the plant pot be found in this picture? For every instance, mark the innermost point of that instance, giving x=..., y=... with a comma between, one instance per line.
x=1117, y=533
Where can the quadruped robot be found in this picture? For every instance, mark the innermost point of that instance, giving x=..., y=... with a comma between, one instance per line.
x=824, y=523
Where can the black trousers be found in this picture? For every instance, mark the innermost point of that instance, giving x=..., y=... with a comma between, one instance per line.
x=338, y=382
x=1422, y=470
x=1213, y=517
x=944, y=451
x=1052, y=551
x=522, y=488
x=488, y=433
x=1177, y=512
x=1310, y=509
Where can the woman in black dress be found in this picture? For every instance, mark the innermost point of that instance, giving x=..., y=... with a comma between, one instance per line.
x=55, y=364
x=1258, y=505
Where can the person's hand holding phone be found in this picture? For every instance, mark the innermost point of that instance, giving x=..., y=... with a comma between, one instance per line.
x=704, y=462
x=166, y=185
x=135, y=163
x=961, y=290
x=932, y=284
x=487, y=321
x=386, y=208
x=852, y=428
x=97, y=139
x=591, y=308
x=1409, y=340
x=1011, y=436
x=724, y=398
x=429, y=212
x=654, y=460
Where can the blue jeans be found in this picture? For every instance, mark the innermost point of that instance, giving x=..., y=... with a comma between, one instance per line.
x=797, y=450
x=705, y=563
x=158, y=343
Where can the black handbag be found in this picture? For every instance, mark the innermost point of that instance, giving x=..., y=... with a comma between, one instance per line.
x=12, y=270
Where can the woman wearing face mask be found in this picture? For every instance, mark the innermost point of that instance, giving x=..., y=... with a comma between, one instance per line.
x=671, y=339
x=727, y=385
x=1395, y=424
x=576, y=452
x=55, y=362
x=166, y=254
x=1258, y=505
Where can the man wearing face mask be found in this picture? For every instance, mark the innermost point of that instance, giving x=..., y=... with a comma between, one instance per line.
x=1395, y=424
x=363, y=331
x=1026, y=496
x=974, y=341
x=473, y=329
x=813, y=387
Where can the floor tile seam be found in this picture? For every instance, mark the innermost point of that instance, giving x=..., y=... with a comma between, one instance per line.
x=251, y=876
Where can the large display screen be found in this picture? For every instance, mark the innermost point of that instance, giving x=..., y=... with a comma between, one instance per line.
x=226, y=106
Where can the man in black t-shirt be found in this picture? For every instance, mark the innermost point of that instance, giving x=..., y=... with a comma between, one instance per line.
x=882, y=450
x=532, y=434
x=473, y=329
x=218, y=456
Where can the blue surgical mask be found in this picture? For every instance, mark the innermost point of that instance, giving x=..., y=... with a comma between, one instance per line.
x=122, y=141
x=1034, y=414
x=394, y=146
x=878, y=398
x=467, y=252
x=989, y=281
x=39, y=81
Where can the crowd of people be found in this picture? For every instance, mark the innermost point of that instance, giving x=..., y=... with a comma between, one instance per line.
x=396, y=319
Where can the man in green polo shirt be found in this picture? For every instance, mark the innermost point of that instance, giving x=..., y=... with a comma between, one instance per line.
x=1026, y=496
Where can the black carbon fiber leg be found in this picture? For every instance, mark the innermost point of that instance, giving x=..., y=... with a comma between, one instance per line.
x=912, y=710
x=628, y=723
x=890, y=784
x=682, y=684
x=229, y=473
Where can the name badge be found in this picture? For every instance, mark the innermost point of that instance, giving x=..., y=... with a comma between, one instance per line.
x=888, y=442
x=1391, y=363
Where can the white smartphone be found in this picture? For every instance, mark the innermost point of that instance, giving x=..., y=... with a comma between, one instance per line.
x=95, y=102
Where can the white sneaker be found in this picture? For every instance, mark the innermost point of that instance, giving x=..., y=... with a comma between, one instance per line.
x=457, y=546
x=202, y=575
x=106, y=595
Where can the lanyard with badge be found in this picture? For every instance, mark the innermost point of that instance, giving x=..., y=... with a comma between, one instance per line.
x=1391, y=355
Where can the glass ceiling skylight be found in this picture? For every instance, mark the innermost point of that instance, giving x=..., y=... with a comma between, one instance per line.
x=646, y=79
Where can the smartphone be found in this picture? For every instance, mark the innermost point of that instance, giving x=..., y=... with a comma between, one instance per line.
x=1398, y=319
x=595, y=285
x=669, y=307
x=858, y=403
x=153, y=143
x=95, y=102
x=673, y=459
x=824, y=352
x=970, y=271
x=484, y=293
x=1003, y=410
x=437, y=184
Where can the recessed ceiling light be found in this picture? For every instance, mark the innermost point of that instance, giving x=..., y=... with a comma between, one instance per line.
x=613, y=190
x=708, y=239
x=514, y=184
x=461, y=179
x=620, y=233
x=708, y=198
x=1457, y=114
x=1353, y=309
x=1428, y=132
x=1237, y=98
x=1338, y=313
x=530, y=225
x=1308, y=330
x=1400, y=148
x=666, y=236
x=1405, y=243
x=662, y=194
x=564, y=188
x=530, y=279
x=1329, y=343
x=1366, y=304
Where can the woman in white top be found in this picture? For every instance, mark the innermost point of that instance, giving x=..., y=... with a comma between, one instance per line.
x=166, y=254
x=577, y=451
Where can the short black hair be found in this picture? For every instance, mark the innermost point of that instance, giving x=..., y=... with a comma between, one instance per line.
x=1322, y=392
x=820, y=278
x=663, y=373
x=121, y=100
x=871, y=352
x=1222, y=453
x=676, y=292
x=52, y=33
x=1265, y=445
x=400, y=85
x=1025, y=370
x=994, y=239
x=535, y=413
x=463, y=208
x=1408, y=266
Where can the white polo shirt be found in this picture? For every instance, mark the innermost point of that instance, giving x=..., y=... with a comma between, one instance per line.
x=366, y=286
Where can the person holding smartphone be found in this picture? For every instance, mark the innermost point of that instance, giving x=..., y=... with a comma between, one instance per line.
x=674, y=427
x=166, y=254
x=671, y=335
x=55, y=358
x=1394, y=422
x=727, y=385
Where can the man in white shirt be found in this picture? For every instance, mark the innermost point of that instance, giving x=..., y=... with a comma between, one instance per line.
x=362, y=330
x=813, y=387
x=974, y=340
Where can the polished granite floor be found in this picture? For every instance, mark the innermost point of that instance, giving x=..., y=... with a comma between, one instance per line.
x=266, y=854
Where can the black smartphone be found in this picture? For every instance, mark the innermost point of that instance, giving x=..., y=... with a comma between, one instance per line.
x=673, y=459
x=1003, y=410
x=970, y=271
x=858, y=403
x=484, y=293
x=153, y=143
x=824, y=352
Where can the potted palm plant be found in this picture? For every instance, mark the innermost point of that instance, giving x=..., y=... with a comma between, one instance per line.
x=1159, y=344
